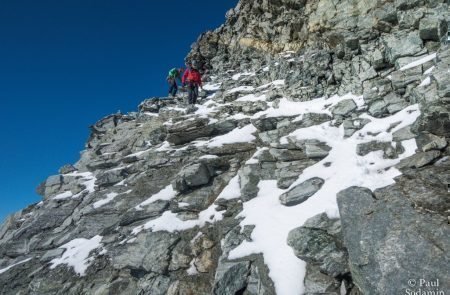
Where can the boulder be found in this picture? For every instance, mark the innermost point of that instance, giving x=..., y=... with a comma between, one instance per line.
x=318, y=242
x=386, y=238
x=188, y=130
x=402, y=44
x=419, y=160
x=432, y=28
x=137, y=256
x=344, y=107
x=301, y=192
x=191, y=176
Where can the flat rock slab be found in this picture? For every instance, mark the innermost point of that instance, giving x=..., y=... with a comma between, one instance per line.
x=301, y=192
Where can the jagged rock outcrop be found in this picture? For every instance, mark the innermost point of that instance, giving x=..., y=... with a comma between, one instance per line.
x=307, y=105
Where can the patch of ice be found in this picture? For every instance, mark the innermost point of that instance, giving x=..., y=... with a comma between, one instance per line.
x=77, y=254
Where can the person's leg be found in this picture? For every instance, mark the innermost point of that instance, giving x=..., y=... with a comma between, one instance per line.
x=171, y=85
x=195, y=94
x=175, y=88
x=191, y=93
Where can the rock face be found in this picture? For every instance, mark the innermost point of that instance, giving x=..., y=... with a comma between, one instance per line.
x=312, y=110
x=388, y=236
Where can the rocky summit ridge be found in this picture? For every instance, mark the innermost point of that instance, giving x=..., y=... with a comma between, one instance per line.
x=317, y=162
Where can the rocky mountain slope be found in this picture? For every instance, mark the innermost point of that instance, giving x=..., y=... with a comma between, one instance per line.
x=317, y=162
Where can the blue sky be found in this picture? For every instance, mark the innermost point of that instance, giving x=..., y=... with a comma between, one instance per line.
x=65, y=64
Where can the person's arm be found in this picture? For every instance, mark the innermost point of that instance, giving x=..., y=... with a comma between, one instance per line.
x=183, y=79
x=200, y=80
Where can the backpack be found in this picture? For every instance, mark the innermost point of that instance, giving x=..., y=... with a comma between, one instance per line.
x=173, y=73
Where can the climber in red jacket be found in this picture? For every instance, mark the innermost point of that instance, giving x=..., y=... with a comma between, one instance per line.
x=193, y=79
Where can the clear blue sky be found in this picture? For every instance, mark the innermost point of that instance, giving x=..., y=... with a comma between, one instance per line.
x=64, y=64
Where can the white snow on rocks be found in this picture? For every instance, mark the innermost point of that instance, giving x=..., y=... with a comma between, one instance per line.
x=425, y=82
x=166, y=194
x=273, y=222
x=62, y=196
x=418, y=62
x=239, y=75
x=89, y=184
x=237, y=135
x=254, y=158
x=242, y=89
x=276, y=83
x=77, y=254
x=345, y=169
x=13, y=265
x=169, y=221
x=109, y=198
x=252, y=97
x=232, y=190
x=212, y=87
x=319, y=105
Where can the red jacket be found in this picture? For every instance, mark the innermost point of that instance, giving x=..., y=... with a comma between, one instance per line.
x=191, y=75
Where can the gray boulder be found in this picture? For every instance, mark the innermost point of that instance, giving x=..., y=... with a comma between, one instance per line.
x=344, y=107
x=318, y=242
x=387, y=238
x=378, y=108
x=432, y=28
x=137, y=256
x=428, y=141
x=301, y=192
x=419, y=160
x=402, y=44
x=192, y=176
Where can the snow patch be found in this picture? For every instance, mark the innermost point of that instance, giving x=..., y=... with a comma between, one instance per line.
x=232, y=190
x=238, y=76
x=242, y=89
x=346, y=169
x=418, y=62
x=77, y=254
x=166, y=194
x=109, y=198
x=237, y=135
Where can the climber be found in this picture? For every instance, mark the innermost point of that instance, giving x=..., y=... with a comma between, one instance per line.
x=174, y=75
x=193, y=79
